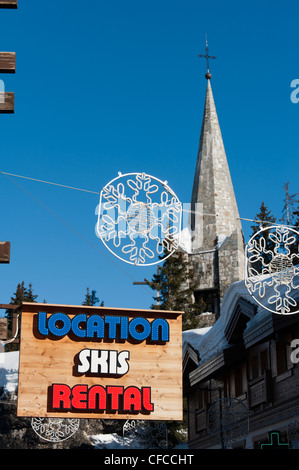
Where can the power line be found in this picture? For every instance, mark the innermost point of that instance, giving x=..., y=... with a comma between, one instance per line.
x=49, y=182
x=98, y=193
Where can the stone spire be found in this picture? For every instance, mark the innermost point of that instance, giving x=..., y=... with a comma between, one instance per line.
x=217, y=243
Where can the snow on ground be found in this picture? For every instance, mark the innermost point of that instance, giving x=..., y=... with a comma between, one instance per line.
x=114, y=441
x=9, y=367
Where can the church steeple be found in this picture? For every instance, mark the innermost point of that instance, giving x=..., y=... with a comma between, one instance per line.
x=217, y=245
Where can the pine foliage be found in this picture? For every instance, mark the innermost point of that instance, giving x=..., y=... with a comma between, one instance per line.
x=175, y=284
x=265, y=219
x=91, y=298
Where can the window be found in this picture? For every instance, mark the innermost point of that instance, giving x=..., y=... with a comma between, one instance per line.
x=258, y=364
x=202, y=398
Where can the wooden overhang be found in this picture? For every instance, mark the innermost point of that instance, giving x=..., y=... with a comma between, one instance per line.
x=212, y=366
x=236, y=325
x=268, y=326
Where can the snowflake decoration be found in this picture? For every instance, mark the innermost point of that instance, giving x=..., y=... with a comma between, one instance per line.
x=55, y=429
x=139, y=219
x=276, y=266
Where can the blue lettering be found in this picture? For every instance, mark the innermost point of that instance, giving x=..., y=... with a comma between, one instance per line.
x=112, y=322
x=139, y=335
x=118, y=328
x=95, y=325
x=62, y=318
x=41, y=324
x=75, y=325
x=124, y=327
x=159, y=324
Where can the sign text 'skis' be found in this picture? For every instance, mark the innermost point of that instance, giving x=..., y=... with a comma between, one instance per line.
x=95, y=362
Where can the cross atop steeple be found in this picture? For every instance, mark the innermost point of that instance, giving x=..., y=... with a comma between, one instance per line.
x=207, y=57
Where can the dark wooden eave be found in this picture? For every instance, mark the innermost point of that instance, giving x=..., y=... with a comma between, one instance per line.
x=242, y=313
x=267, y=327
x=209, y=368
x=190, y=356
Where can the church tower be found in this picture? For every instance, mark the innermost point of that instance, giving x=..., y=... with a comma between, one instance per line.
x=217, y=238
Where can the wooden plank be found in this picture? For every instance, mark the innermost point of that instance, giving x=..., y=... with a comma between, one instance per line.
x=7, y=103
x=8, y=3
x=7, y=62
x=4, y=252
x=52, y=308
x=10, y=306
x=45, y=361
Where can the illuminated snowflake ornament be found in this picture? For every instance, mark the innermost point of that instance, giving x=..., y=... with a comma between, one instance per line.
x=273, y=265
x=55, y=429
x=139, y=219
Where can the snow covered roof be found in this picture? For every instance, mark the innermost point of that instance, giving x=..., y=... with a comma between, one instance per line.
x=209, y=342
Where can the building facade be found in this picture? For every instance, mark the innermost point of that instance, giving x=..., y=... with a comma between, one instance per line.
x=241, y=376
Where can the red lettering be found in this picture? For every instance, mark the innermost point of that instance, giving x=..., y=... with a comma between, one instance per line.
x=132, y=399
x=97, y=392
x=115, y=392
x=61, y=397
x=80, y=397
x=79, y=400
x=146, y=401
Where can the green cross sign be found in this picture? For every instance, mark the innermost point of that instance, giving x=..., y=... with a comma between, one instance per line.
x=274, y=443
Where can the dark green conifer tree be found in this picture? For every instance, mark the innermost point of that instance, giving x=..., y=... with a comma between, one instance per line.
x=264, y=219
x=91, y=298
x=175, y=283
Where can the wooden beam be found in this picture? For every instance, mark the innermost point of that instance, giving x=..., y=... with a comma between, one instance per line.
x=10, y=306
x=4, y=252
x=7, y=105
x=7, y=62
x=8, y=3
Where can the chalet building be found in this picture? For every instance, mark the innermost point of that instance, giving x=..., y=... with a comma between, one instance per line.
x=239, y=379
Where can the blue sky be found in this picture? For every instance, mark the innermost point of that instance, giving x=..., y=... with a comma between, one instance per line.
x=102, y=87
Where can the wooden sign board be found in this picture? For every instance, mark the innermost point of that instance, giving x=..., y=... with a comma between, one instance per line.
x=99, y=362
